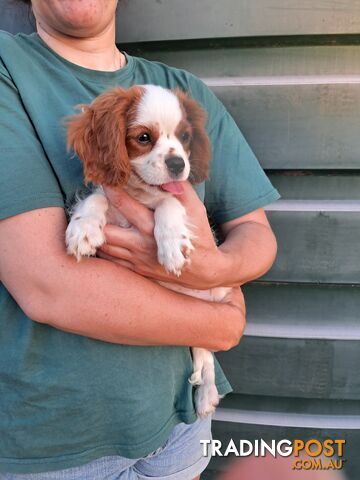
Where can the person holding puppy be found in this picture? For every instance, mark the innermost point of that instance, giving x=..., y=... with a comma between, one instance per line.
x=94, y=357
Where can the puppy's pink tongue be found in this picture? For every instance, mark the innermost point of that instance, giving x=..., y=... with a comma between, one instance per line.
x=176, y=188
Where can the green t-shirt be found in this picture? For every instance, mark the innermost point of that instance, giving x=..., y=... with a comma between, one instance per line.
x=65, y=399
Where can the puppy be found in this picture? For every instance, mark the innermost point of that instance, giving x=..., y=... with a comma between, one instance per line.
x=145, y=140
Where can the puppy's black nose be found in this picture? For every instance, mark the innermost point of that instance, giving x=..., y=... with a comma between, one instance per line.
x=175, y=165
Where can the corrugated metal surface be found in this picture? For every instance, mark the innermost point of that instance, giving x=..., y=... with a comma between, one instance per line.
x=149, y=20
x=289, y=72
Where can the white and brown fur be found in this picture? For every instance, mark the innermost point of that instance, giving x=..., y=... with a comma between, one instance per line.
x=110, y=137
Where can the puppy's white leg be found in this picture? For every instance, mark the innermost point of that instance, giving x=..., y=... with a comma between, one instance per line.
x=172, y=235
x=198, y=364
x=84, y=233
x=206, y=395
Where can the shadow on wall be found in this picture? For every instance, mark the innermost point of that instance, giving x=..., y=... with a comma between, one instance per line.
x=16, y=17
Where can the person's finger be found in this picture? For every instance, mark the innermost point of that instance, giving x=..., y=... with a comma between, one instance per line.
x=134, y=211
x=116, y=252
x=123, y=263
x=121, y=237
x=189, y=197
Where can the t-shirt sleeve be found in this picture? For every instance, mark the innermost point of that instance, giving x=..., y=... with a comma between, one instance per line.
x=27, y=181
x=237, y=184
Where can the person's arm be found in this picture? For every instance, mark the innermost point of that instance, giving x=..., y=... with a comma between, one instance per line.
x=100, y=299
x=249, y=247
x=248, y=251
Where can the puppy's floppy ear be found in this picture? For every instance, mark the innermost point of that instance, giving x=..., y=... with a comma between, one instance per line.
x=200, y=147
x=98, y=136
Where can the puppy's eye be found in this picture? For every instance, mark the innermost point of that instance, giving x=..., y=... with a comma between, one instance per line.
x=144, y=138
x=185, y=136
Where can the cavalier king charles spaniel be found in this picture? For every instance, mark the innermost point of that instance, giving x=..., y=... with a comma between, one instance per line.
x=146, y=140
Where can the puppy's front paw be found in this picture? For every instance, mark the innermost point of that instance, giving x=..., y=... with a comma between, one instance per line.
x=207, y=399
x=83, y=237
x=174, y=248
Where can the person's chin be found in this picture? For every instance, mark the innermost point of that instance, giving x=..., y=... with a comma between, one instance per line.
x=81, y=28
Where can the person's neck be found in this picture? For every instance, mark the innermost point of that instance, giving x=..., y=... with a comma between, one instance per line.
x=98, y=52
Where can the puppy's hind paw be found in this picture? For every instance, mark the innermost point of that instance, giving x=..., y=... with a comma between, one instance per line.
x=196, y=378
x=207, y=399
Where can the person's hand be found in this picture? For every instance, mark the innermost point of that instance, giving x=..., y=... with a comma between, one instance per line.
x=233, y=309
x=135, y=247
x=235, y=298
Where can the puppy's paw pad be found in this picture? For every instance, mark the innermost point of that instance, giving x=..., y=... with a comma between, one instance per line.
x=206, y=399
x=83, y=237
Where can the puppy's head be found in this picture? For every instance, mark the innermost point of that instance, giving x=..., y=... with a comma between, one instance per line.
x=157, y=134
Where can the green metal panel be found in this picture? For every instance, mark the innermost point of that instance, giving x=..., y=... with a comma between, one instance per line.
x=305, y=186
x=306, y=311
x=294, y=368
x=149, y=20
x=239, y=61
x=317, y=246
x=297, y=126
x=305, y=345
x=298, y=107
x=314, y=412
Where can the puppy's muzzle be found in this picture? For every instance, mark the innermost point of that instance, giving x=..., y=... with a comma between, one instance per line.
x=175, y=165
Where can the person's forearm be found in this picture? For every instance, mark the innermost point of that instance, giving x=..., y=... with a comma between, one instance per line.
x=98, y=299
x=248, y=252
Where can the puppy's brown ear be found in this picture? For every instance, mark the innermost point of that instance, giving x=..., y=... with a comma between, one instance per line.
x=98, y=136
x=200, y=147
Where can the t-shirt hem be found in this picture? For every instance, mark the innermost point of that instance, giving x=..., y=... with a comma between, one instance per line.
x=31, y=203
x=249, y=207
x=38, y=465
x=224, y=388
